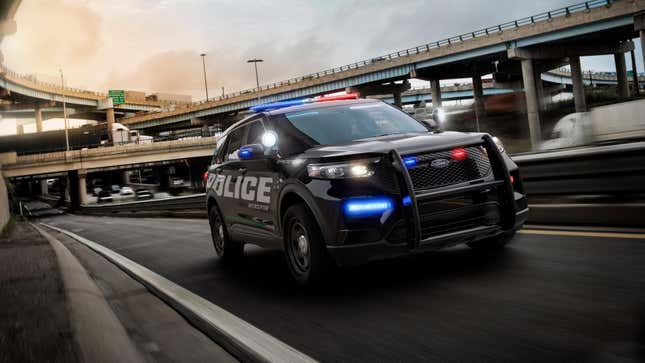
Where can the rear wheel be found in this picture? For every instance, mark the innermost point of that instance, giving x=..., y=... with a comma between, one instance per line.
x=225, y=248
x=304, y=247
x=493, y=243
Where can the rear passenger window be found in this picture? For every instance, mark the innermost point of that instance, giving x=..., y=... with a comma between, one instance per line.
x=218, y=156
x=234, y=144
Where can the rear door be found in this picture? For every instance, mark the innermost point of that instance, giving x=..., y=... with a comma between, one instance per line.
x=226, y=171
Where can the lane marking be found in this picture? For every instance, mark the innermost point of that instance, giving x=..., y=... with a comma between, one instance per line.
x=236, y=335
x=582, y=233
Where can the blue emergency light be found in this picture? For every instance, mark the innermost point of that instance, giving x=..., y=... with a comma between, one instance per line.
x=282, y=104
x=372, y=206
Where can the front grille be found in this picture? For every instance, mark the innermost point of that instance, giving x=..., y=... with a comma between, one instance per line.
x=425, y=176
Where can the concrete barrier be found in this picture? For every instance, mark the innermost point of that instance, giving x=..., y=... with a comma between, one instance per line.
x=5, y=213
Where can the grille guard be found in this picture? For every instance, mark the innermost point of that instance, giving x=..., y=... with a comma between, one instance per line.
x=501, y=182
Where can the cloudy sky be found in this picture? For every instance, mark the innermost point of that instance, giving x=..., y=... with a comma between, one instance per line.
x=153, y=45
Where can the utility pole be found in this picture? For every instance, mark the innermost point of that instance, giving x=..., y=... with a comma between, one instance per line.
x=222, y=91
x=62, y=84
x=204, y=67
x=255, y=62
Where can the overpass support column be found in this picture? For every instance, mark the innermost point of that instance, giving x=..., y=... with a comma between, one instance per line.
x=532, y=103
x=39, y=118
x=578, y=85
x=44, y=188
x=398, y=102
x=478, y=98
x=73, y=179
x=436, y=93
x=109, y=117
x=82, y=187
x=636, y=86
x=621, y=75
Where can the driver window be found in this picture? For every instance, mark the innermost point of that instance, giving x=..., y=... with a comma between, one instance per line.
x=256, y=130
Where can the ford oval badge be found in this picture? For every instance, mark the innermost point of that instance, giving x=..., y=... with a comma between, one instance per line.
x=439, y=163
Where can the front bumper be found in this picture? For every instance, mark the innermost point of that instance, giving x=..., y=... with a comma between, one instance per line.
x=356, y=254
x=427, y=224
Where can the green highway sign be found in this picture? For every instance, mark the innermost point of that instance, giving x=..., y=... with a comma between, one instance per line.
x=117, y=96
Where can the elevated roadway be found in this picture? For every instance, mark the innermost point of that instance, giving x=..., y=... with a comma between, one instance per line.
x=104, y=158
x=604, y=24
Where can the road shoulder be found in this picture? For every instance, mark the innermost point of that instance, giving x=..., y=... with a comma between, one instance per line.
x=155, y=330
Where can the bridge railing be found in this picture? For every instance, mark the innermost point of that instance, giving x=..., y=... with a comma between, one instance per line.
x=33, y=82
x=545, y=16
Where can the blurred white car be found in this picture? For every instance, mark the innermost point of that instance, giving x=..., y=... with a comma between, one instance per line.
x=126, y=191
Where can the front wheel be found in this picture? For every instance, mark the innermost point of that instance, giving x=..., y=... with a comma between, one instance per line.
x=496, y=243
x=304, y=247
x=226, y=249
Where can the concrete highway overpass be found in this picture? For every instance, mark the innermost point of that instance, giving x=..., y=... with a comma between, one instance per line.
x=520, y=49
x=76, y=164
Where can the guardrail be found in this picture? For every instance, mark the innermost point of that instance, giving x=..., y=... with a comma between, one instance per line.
x=195, y=202
x=616, y=170
x=613, y=173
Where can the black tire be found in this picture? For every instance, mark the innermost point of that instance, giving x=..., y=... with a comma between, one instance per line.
x=227, y=249
x=496, y=243
x=305, y=248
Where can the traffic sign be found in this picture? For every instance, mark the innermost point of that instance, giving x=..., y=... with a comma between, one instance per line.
x=117, y=96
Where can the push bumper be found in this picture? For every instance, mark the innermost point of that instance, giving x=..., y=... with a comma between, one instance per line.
x=513, y=212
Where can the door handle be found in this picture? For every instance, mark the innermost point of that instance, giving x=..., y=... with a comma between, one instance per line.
x=241, y=170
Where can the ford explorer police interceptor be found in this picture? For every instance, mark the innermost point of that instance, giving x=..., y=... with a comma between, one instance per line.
x=338, y=180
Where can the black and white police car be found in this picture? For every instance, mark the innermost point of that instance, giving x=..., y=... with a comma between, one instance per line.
x=338, y=180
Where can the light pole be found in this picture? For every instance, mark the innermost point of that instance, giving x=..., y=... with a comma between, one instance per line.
x=255, y=62
x=204, y=66
x=62, y=84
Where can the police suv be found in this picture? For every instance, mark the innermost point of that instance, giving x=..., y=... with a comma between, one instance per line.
x=338, y=180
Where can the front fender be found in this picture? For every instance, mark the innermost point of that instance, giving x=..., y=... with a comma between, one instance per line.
x=298, y=188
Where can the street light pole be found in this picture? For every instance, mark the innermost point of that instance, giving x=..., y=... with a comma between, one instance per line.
x=62, y=84
x=255, y=62
x=204, y=66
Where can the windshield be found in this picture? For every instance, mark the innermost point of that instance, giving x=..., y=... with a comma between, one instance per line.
x=337, y=125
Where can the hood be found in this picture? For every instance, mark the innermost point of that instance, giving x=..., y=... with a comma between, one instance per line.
x=408, y=143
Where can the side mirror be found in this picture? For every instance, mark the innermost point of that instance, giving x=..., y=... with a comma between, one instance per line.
x=251, y=151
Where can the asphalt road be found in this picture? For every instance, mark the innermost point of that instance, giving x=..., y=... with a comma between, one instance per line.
x=548, y=297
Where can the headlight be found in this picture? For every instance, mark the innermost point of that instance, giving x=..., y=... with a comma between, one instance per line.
x=498, y=142
x=353, y=169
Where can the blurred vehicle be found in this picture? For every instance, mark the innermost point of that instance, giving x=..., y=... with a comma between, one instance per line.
x=162, y=195
x=603, y=124
x=104, y=196
x=126, y=191
x=96, y=191
x=143, y=194
x=115, y=188
x=177, y=182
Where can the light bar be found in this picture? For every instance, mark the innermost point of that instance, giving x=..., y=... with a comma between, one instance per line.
x=282, y=104
x=361, y=207
x=276, y=105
